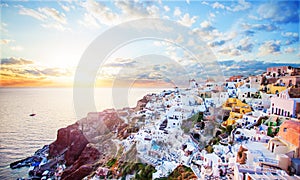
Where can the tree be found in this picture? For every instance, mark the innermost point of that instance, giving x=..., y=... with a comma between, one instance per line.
x=200, y=117
x=209, y=149
x=229, y=128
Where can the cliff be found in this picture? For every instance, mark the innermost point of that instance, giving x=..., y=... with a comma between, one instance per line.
x=88, y=143
x=81, y=148
x=84, y=143
x=142, y=103
x=70, y=142
x=83, y=166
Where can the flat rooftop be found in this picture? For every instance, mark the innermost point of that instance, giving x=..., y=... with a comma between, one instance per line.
x=261, y=150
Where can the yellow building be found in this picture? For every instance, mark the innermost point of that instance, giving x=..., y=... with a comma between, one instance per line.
x=237, y=108
x=275, y=89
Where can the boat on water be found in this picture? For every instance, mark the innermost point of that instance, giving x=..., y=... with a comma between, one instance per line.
x=32, y=114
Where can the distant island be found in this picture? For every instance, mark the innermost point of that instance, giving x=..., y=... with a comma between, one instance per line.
x=244, y=128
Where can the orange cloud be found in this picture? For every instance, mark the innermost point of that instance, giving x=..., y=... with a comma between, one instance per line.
x=18, y=72
x=137, y=83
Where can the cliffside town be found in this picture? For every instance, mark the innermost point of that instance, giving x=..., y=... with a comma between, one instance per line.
x=244, y=128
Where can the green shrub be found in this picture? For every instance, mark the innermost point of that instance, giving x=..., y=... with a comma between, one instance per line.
x=111, y=162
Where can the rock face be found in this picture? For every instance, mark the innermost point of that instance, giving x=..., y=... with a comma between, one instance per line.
x=83, y=165
x=142, y=103
x=71, y=141
x=88, y=141
x=80, y=173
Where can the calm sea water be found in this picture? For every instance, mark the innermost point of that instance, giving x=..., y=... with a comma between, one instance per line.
x=21, y=135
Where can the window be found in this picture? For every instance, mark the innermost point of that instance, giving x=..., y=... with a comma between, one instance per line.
x=284, y=129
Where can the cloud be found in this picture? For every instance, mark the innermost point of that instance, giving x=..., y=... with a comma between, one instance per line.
x=15, y=61
x=247, y=67
x=2, y=4
x=280, y=11
x=269, y=47
x=259, y=27
x=149, y=68
x=177, y=11
x=21, y=81
x=206, y=25
x=55, y=72
x=186, y=20
x=56, y=26
x=22, y=72
x=249, y=32
x=5, y=41
x=289, y=50
x=89, y=21
x=204, y=3
x=121, y=62
x=245, y=45
x=132, y=9
x=3, y=27
x=153, y=11
x=242, y=5
x=212, y=15
x=251, y=16
x=166, y=8
x=64, y=6
x=291, y=37
x=19, y=66
x=33, y=13
x=33, y=72
x=229, y=50
x=207, y=32
x=216, y=43
x=218, y=5
x=228, y=46
x=16, y=48
x=98, y=11
x=219, y=39
x=50, y=17
x=54, y=14
x=235, y=7
x=290, y=34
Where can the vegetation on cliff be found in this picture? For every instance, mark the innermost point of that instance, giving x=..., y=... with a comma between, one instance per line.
x=180, y=173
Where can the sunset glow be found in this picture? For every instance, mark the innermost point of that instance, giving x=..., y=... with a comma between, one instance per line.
x=42, y=42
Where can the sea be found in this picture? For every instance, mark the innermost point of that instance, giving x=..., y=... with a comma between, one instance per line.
x=21, y=134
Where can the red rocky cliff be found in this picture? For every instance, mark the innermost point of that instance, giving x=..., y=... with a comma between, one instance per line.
x=71, y=141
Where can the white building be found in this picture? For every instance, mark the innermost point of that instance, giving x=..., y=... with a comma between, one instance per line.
x=246, y=92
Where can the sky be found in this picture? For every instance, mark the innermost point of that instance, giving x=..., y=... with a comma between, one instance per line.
x=43, y=42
